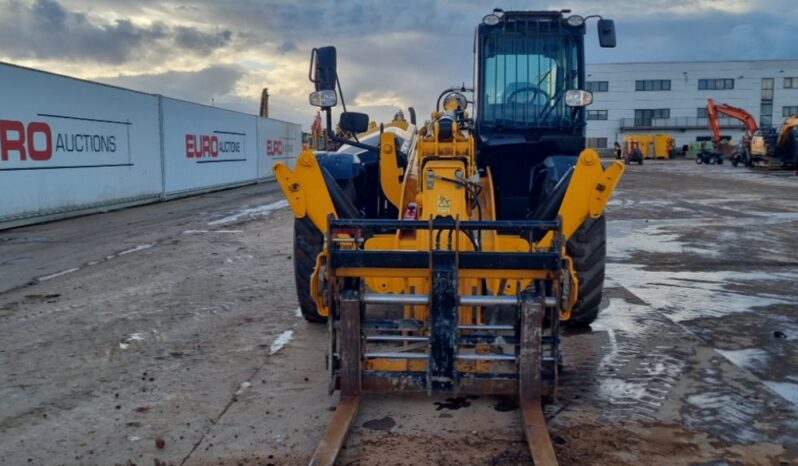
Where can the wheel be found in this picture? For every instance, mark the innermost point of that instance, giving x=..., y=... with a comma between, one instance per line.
x=308, y=243
x=640, y=162
x=699, y=160
x=720, y=161
x=588, y=248
x=735, y=162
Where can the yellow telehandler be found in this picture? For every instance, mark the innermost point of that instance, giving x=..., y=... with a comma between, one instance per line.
x=445, y=256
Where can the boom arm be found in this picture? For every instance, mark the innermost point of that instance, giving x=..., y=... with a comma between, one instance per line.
x=714, y=110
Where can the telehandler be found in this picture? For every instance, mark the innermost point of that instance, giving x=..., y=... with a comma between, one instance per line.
x=445, y=256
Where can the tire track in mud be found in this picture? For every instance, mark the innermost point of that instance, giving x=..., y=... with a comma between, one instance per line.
x=634, y=370
x=649, y=369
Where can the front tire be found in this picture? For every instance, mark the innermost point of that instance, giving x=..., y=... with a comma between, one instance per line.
x=308, y=243
x=588, y=249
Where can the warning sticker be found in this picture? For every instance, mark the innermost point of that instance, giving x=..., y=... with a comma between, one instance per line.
x=444, y=206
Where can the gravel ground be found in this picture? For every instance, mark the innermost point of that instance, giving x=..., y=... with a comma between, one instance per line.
x=168, y=334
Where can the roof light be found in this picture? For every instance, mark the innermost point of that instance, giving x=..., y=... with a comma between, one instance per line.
x=575, y=20
x=491, y=19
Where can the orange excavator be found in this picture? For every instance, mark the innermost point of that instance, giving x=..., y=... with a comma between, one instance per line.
x=742, y=154
x=768, y=147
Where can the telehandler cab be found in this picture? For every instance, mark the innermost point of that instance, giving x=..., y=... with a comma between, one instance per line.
x=445, y=256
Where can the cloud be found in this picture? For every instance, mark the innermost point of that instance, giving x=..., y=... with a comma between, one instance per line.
x=193, y=39
x=45, y=29
x=217, y=82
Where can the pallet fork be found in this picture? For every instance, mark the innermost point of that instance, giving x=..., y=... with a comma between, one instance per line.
x=460, y=355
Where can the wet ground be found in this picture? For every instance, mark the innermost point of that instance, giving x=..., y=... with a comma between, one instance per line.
x=168, y=334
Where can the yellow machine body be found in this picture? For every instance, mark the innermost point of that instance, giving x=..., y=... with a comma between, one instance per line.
x=441, y=180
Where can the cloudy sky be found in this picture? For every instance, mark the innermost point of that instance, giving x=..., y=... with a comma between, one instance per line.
x=390, y=54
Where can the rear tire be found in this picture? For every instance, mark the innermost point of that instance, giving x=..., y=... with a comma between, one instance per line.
x=588, y=248
x=308, y=243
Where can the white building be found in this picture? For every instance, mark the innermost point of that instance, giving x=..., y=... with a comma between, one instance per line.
x=671, y=97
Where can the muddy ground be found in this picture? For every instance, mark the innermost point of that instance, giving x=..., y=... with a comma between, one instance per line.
x=168, y=334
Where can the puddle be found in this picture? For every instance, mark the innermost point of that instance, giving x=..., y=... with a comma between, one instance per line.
x=453, y=404
x=384, y=424
x=786, y=390
x=620, y=315
x=683, y=296
x=751, y=359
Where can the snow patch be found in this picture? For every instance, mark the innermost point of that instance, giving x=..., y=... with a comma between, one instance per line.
x=281, y=341
x=57, y=274
x=242, y=388
x=138, y=248
x=251, y=213
x=125, y=342
x=194, y=232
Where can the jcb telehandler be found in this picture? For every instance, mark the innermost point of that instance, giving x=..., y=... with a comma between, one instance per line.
x=444, y=257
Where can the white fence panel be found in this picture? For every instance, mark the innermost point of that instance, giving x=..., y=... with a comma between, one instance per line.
x=277, y=140
x=67, y=144
x=207, y=147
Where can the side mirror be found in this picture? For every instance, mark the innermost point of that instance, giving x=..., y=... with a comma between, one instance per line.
x=323, y=68
x=606, y=33
x=353, y=122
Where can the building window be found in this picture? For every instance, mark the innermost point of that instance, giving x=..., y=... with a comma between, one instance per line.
x=766, y=102
x=644, y=117
x=715, y=84
x=653, y=85
x=790, y=83
x=789, y=110
x=596, y=114
x=597, y=143
x=597, y=86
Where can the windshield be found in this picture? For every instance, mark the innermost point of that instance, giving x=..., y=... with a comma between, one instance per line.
x=524, y=78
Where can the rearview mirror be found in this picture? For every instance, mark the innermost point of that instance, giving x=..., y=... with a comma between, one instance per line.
x=606, y=33
x=353, y=122
x=323, y=68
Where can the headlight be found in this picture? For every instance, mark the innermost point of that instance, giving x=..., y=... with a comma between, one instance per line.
x=575, y=20
x=326, y=98
x=454, y=100
x=491, y=19
x=578, y=98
